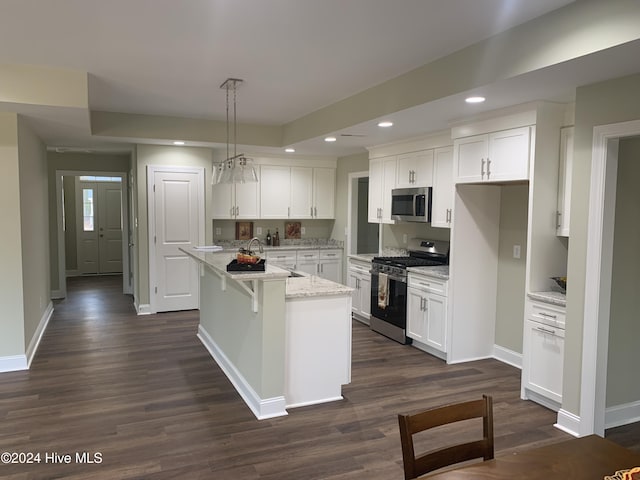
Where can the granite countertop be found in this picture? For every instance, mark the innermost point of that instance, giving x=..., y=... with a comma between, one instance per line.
x=439, y=271
x=314, y=286
x=553, y=298
x=365, y=257
x=218, y=261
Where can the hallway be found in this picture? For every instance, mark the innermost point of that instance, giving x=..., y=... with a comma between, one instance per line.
x=144, y=393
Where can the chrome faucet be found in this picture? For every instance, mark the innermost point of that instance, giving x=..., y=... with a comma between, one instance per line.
x=255, y=239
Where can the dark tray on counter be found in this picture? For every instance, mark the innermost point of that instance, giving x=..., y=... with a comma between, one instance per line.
x=234, y=266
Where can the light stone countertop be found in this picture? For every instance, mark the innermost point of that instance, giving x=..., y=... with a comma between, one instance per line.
x=314, y=286
x=296, y=286
x=553, y=298
x=439, y=271
x=365, y=257
x=218, y=261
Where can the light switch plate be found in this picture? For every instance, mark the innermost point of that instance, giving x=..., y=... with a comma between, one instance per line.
x=516, y=251
x=218, y=231
x=302, y=230
x=259, y=230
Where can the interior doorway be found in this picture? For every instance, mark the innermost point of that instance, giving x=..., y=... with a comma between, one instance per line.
x=67, y=226
x=362, y=237
x=599, y=274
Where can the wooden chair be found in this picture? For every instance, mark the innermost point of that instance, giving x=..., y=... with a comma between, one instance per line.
x=434, y=417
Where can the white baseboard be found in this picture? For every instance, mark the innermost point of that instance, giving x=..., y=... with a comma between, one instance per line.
x=568, y=422
x=142, y=308
x=428, y=349
x=316, y=402
x=622, y=414
x=37, y=336
x=13, y=363
x=57, y=294
x=507, y=356
x=261, y=408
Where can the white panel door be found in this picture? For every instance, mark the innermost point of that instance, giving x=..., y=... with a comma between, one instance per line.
x=178, y=203
x=99, y=227
x=110, y=227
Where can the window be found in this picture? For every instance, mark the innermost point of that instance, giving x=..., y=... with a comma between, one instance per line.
x=93, y=178
x=88, y=210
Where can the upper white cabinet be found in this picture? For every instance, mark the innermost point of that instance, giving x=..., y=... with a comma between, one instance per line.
x=415, y=169
x=494, y=157
x=442, y=201
x=236, y=201
x=297, y=192
x=324, y=193
x=564, y=181
x=275, y=191
x=382, y=179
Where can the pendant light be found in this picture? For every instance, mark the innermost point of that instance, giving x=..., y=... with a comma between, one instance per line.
x=236, y=168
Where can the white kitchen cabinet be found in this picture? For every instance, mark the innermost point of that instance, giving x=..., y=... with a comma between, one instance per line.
x=297, y=192
x=301, y=201
x=382, y=179
x=307, y=261
x=415, y=169
x=427, y=313
x=236, y=201
x=284, y=258
x=494, y=157
x=543, y=354
x=330, y=265
x=275, y=191
x=324, y=193
x=442, y=200
x=564, y=181
x=360, y=280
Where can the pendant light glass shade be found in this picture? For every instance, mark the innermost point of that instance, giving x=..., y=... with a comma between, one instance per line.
x=236, y=168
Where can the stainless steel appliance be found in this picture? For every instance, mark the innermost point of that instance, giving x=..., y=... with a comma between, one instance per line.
x=389, y=285
x=411, y=204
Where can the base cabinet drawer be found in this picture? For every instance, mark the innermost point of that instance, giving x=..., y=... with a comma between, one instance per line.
x=543, y=360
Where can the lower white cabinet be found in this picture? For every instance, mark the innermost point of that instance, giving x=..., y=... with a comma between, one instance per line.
x=360, y=280
x=283, y=258
x=543, y=354
x=330, y=265
x=427, y=313
x=307, y=261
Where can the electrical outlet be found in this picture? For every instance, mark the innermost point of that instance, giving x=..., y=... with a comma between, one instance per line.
x=404, y=238
x=218, y=231
x=302, y=231
x=259, y=230
x=516, y=251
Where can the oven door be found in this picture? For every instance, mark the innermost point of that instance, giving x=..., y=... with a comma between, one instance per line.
x=395, y=312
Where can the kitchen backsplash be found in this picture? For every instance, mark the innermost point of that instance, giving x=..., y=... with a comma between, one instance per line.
x=307, y=242
x=313, y=229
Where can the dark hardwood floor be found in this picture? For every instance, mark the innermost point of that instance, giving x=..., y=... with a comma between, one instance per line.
x=144, y=393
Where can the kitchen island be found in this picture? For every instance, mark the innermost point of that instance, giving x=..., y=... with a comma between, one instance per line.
x=282, y=340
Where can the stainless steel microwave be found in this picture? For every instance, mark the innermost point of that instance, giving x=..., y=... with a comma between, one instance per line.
x=411, y=204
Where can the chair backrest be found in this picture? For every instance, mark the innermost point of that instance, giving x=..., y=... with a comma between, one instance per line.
x=414, y=466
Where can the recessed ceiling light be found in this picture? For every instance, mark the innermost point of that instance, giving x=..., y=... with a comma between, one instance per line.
x=330, y=139
x=178, y=142
x=385, y=124
x=475, y=99
x=290, y=150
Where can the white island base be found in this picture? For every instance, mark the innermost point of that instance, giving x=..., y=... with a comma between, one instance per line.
x=283, y=342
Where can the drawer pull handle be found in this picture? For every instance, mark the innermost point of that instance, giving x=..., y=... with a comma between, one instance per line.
x=546, y=330
x=548, y=315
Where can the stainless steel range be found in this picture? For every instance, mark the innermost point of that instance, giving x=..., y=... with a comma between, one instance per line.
x=389, y=285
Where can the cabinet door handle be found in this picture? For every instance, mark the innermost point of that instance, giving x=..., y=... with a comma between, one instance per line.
x=237, y=210
x=311, y=208
x=482, y=168
x=546, y=330
x=288, y=211
x=558, y=224
x=488, y=167
x=231, y=211
x=315, y=211
x=448, y=220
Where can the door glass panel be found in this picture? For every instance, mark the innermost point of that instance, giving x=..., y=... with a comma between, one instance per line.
x=88, y=210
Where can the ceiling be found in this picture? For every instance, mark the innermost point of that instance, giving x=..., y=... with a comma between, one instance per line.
x=168, y=58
